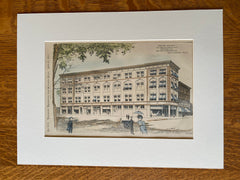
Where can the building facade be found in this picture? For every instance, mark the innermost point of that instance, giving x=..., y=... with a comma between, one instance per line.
x=151, y=88
x=185, y=107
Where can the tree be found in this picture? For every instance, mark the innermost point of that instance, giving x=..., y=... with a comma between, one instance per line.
x=64, y=53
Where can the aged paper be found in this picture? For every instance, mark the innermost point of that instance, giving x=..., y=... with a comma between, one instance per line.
x=119, y=89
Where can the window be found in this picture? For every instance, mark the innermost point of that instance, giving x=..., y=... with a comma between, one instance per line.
x=77, y=99
x=140, y=74
x=64, y=90
x=116, y=86
x=116, y=76
x=96, y=77
x=64, y=110
x=69, y=109
x=77, y=80
x=140, y=84
x=174, y=86
x=153, y=72
x=70, y=90
x=128, y=75
x=127, y=86
x=63, y=100
x=162, y=71
x=106, y=87
x=87, y=89
x=116, y=108
x=139, y=106
x=96, y=99
x=162, y=96
x=77, y=89
x=76, y=109
x=87, y=78
x=173, y=73
x=117, y=98
x=153, y=97
x=174, y=97
x=69, y=80
x=153, y=84
x=140, y=97
x=128, y=107
x=86, y=99
x=69, y=99
x=162, y=83
x=96, y=87
x=128, y=97
x=106, y=76
x=106, y=98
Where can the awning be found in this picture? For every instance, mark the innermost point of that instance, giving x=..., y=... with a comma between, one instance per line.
x=184, y=109
x=181, y=109
x=187, y=110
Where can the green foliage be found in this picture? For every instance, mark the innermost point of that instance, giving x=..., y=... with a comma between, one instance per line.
x=66, y=52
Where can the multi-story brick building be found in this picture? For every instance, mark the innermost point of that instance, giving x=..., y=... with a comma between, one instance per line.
x=184, y=99
x=151, y=88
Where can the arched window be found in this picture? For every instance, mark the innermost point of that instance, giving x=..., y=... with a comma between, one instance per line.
x=117, y=86
x=162, y=82
x=106, y=87
x=139, y=84
x=153, y=83
x=96, y=87
x=127, y=85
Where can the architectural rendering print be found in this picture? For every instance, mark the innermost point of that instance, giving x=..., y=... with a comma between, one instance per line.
x=129, y=89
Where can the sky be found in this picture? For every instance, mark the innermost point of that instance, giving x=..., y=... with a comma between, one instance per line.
x=179, y=51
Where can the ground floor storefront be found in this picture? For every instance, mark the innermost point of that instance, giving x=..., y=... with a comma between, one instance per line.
x=122, y=110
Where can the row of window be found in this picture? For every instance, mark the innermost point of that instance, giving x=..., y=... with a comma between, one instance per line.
x=117, y=98
x=152, y=72
x=117, y=86
x=173, y=73
x=162, y=96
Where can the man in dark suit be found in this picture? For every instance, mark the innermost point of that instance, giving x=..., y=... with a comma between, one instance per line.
x=70, y=125
x=131, y=126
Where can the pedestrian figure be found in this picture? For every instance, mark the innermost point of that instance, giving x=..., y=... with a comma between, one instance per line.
x=70, y=125
x=142, y=126
x=131, y=126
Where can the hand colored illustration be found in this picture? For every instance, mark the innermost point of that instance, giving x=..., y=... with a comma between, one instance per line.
x=119, y=89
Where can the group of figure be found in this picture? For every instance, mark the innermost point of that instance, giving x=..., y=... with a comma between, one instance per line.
x=127, y=124
x=141, y=124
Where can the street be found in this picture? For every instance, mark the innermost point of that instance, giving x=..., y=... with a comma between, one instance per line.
x=157, y=128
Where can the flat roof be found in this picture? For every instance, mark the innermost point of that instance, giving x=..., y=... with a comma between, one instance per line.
x=173, y=65
x=182, y=84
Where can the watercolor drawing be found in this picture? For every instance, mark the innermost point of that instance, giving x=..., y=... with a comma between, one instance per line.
x=119, y=89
